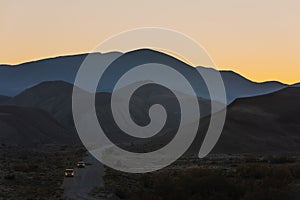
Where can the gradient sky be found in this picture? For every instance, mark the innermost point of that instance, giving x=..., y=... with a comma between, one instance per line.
x=259, y=39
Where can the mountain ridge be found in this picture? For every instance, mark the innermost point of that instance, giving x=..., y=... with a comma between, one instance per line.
x=260, y=125
x=65, y=68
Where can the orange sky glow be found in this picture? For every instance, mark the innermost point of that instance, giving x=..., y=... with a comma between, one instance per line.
x=258, y=39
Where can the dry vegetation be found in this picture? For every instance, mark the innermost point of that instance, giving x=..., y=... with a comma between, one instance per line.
x=243, y=177
x=27, y=174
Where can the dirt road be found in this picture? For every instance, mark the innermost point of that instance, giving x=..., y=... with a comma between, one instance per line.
x=85, y=179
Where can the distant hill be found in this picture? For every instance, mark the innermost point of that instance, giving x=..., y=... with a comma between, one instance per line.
x=31, y=126
x=65, y=68
x=4, y=99
x=238, y=86
x=29, y=74
x=55, y=97
x=263, y=124
x=266, y=124
x=296, y=85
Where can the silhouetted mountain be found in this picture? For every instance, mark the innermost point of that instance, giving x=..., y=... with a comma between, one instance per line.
x=55, y=97
x=4, y=99
x=296, y=85
x=29, y=74
x=264, y=121
x=65, y=68
x=30, y=126
x=263, y=124
x=238, y=86
x=266, y=124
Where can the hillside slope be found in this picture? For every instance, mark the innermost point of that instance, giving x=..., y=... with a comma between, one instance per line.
x=30, y=126
x=263, y=124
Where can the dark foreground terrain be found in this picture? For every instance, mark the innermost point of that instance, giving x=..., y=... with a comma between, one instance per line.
x=31, y=174
x=217, y=177
x=28, y=174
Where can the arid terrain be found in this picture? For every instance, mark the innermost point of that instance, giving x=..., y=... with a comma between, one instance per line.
x=31, y=174
x=216, y=177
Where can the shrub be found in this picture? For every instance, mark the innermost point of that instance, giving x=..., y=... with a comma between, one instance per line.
x=9, y=176
x=253, y=171
x=281, y=159
x=295, y=170
x=191, y=184
x=279, y=177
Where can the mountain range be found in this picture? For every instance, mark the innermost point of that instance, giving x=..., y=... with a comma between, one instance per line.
x=36, y=109
x=55, y=97
x=65, y=68
x=262, y=124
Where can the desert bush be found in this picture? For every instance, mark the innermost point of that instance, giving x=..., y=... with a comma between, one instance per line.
x=24, y=167
x=21, y=167
x=278, y=178
x=281, y=159
x=190, y=184
x=254, y=171
x=261, y=193
x=295, y=170
x=121, y=193
x=9, y=176
x=248, y=158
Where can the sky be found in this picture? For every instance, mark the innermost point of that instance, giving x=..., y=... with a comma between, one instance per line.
x=259, y=39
